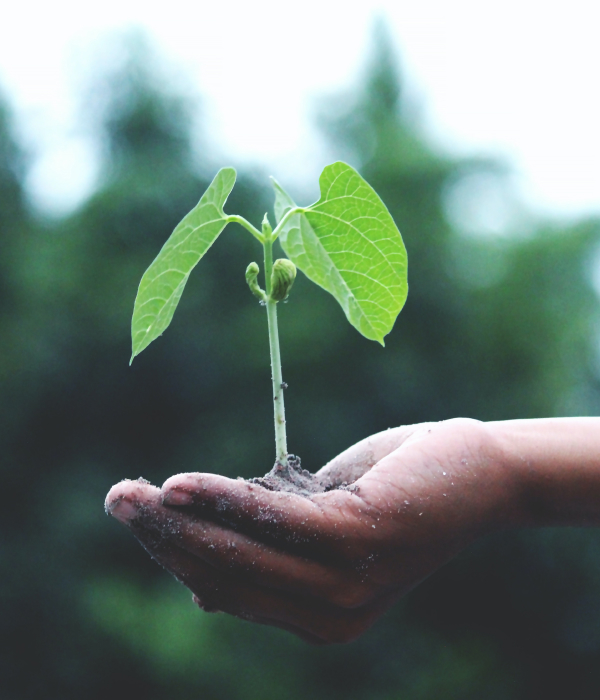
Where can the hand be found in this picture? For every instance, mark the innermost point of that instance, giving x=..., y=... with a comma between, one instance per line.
x=326, y=567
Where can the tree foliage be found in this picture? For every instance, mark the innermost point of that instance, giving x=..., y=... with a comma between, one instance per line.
x=492, y=329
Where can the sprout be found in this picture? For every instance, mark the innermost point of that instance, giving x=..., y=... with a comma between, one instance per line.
x=282, y=278
x=251, y=278
x=346, y=242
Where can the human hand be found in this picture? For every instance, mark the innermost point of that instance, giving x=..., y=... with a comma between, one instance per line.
x=326, y=567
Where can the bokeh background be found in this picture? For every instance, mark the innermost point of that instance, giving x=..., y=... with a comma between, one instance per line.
x=502, y=321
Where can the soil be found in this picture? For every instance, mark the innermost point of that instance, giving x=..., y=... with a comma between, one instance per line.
x=293, y=479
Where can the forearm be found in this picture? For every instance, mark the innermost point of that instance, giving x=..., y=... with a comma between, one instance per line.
x=555, y=464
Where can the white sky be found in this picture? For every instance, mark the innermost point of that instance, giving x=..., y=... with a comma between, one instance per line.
x=517, y=79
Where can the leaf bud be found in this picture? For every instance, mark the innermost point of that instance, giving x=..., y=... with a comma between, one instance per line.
x=282, y=278
x=267, y=230
x=251, y=278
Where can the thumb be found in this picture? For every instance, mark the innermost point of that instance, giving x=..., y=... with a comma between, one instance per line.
x=357, y=460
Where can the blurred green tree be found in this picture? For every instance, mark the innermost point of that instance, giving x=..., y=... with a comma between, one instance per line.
x=492, y=329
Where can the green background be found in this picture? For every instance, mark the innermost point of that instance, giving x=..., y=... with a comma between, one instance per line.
x=494, y=328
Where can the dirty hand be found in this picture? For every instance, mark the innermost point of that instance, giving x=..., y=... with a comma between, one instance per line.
x=325, y=567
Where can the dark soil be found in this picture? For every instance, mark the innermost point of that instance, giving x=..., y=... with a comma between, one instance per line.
x=293, y=479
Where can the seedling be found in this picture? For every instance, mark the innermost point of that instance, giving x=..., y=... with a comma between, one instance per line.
x=347, y=243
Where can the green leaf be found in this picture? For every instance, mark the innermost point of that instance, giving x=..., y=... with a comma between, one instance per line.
x=348, y=243
x=163, y=282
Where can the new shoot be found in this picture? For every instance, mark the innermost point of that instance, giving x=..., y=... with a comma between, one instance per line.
x=346, y=242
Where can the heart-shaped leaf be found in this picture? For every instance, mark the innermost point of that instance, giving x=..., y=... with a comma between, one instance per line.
x=348, y=243
x=163, y=282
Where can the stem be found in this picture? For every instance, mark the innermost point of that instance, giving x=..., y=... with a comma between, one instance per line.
x=288, y=215
x=234, y=219
x=279, y=408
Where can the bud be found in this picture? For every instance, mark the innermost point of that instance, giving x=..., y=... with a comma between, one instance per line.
x=251, y=278
x=282, y=279
x=266, y=227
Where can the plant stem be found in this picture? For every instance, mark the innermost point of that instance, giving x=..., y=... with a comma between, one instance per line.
x=234, y=219
x=286, y=217
x=279, y=408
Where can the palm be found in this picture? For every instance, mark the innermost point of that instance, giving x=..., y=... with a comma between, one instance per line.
x=323, y=567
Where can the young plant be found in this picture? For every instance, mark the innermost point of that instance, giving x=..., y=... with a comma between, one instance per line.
x=347, y=243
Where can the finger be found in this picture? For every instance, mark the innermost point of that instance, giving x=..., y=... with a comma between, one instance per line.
x=357, y=460
x=311, y=619
x=268, y=566
x=247, y=559
x=318, y=525
x=121, y=499
x=131, y=502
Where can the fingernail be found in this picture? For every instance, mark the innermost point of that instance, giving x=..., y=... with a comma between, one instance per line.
x=123, y=510
x=177, y=498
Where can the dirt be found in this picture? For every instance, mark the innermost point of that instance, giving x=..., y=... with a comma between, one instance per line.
x=293, y=479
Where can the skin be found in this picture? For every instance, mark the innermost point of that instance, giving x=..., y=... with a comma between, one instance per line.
x=326, y=567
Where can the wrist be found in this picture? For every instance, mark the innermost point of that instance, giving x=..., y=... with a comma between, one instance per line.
x=554, y=467
x=504, y=483
x=513, y=452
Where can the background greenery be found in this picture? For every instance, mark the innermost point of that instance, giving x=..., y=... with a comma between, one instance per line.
x=494, y=328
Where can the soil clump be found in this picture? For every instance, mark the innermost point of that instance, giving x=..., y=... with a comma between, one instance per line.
x=293, y=479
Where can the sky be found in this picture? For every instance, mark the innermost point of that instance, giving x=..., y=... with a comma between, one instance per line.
x=517, y=80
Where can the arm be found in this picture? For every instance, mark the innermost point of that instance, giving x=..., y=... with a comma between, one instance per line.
x=326, y=567
x=556, y=462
